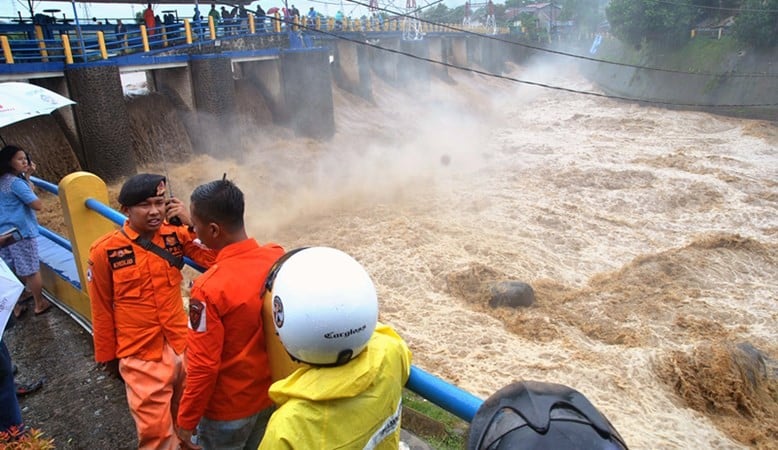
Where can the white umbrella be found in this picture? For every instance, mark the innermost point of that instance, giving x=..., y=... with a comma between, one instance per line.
x=10, y=290
x=21, y=101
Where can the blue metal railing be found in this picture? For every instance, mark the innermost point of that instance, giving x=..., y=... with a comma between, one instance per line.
x=447, y=396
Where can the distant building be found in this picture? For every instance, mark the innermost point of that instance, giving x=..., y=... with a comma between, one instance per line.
x=546, y=14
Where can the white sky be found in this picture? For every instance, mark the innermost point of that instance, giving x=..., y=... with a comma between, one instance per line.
x=9, y=8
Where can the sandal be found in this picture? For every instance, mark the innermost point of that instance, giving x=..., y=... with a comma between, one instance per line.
x=25, y=389
x=47, y=309
x=19, y=311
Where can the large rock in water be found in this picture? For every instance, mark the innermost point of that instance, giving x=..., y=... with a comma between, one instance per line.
x=511, y=293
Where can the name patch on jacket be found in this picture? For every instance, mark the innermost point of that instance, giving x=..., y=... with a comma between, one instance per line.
x=121, y=257
x=197, y=316
x=173, y=245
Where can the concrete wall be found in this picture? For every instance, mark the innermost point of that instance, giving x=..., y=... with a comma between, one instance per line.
x=696, y=91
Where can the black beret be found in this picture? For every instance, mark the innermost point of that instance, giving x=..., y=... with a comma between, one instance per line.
x=140, y=187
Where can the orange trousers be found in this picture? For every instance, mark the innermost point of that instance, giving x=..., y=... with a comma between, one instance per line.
x=154, y=390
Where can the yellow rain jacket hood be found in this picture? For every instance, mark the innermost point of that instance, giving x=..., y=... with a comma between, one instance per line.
x=353, y=406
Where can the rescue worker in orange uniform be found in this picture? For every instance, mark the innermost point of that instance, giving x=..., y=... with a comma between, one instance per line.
x=138, y=318
x=227, y=373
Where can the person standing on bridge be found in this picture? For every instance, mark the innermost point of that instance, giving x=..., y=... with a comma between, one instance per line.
x=138, y=318
x=227, y=372
x=18, y=204
x=150, y=21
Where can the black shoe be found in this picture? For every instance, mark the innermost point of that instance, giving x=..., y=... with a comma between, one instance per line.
x=24, y=389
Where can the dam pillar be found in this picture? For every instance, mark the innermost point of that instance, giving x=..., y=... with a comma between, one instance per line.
x=474, y=52
x=439, y=49
x=494, y=54
x=459, y=51
x=102, y=120
x=214, y=101
x=415, y=73
x=307, y=86
x=352, y=68
x=385, y=63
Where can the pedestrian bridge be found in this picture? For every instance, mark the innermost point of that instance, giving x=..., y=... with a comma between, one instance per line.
x=43, y=49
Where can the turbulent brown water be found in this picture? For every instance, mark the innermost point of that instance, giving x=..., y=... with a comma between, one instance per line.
x=650, y=237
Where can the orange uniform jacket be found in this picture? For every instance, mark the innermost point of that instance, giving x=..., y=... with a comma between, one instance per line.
x=227, y=371
x=136, y=295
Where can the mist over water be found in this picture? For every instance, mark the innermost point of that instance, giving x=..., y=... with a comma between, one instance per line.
x=650, y=237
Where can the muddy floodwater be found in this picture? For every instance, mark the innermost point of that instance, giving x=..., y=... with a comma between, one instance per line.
x=650, y=237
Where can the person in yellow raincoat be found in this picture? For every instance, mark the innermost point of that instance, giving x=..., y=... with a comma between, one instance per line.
x=348, y=393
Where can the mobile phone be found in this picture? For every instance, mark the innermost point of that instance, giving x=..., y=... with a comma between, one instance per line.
x=15, y=236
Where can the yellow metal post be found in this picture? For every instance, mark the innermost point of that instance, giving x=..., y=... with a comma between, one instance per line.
x=164, y=36
x=101, y=44
x=277, y=25
x=41, y=43
x=252, y=27
x=212, y=28
x=84, y=226
x=66, y=47
x=144, y=37
x=9, y=57
x=188, y=31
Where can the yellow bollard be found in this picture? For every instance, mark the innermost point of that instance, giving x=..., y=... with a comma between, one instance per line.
x=41, y=43
x=188, y=31
x=296, y=23
x=252, y=26
x=212, y=28
x=277, y=25
x=9, y=57
x=84, y=225
x=101, y=44
x=66, y=47
x=144, y=38
x=330, y=24
x=164, y=36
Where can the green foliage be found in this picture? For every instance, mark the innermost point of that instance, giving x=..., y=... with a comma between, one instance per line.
x=29, y=439
x=635, y=21
x=757, y=23
x=455, y=438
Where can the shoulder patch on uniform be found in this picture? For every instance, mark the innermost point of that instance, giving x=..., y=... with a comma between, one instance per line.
x=121, y=257
x=197, y=315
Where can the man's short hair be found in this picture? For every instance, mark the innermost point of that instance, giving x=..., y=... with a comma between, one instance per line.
x=221, y=202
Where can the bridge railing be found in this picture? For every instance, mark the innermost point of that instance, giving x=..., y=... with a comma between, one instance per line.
x=67, y=43
x=83, y=197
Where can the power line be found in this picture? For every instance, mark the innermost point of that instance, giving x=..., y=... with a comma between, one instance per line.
x=718, y=8
x=585, y=58
x=534, y=83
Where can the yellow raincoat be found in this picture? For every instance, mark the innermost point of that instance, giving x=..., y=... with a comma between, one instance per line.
x=353, y=406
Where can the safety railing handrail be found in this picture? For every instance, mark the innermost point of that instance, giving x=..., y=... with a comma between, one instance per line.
x=68, y=43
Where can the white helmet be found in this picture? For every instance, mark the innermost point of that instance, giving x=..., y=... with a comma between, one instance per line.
x=325, y=306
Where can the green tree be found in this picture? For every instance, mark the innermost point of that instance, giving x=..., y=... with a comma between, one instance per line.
x=757, y=23
x=438, y=14
x=666, y=23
